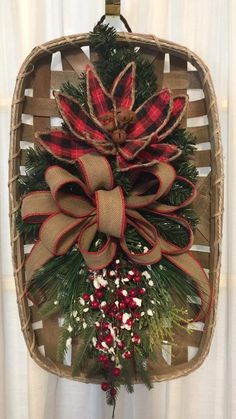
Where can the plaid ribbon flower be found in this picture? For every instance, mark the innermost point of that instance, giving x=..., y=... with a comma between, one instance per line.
x=112, y=128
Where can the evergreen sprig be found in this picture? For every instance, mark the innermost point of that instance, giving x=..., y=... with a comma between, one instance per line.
x=112, y=59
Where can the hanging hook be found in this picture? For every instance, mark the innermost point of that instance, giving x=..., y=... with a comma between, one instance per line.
x=112, y=8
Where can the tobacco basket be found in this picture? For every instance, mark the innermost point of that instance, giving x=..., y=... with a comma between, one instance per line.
x=181, y=70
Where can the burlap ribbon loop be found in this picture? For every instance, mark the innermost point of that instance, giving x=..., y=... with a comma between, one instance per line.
x=75, y=209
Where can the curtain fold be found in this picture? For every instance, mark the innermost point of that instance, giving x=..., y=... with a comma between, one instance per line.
x=28, y=392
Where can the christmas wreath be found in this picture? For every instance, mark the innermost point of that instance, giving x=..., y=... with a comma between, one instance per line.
x=107, y=199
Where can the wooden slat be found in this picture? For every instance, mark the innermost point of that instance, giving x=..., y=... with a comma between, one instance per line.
x=196, y=108
x=202, y=158
x=183, y=338
x=41, y=89
x=41, y=107
x=76, y=58
x=35, y=316
x=203, y=258
x=49, y=337
x=60, y=77
x=27, y=132
x=179, y=355
x=202, y=134
x=202, y=207
x=157, y=60
x=178, y=65
x=182, y=80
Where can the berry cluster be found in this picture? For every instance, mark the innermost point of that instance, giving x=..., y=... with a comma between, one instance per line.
x=117, y=295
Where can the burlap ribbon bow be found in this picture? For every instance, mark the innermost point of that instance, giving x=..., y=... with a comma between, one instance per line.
x=94, y=204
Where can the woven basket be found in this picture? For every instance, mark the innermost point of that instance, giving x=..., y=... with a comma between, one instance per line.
x=186, y=71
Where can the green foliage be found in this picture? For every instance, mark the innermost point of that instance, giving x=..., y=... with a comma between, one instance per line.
x=187, y=170
x=28, y=230
x=169, y=229
x=61, y=279
x=179, y=193
x=184, y=140
x=190, y=216
x=82, y=354
x=112, y=59
x=78, y=92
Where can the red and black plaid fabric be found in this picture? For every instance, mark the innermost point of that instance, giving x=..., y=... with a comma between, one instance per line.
x=99, y=101
x=124, y=87
x=61, y=144
x=77, y=119
x=177, y=113
x=149, y=156
x=151, y=115
x=132, y=147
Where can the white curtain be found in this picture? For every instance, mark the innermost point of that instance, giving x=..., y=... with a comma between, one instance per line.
x=28, y=392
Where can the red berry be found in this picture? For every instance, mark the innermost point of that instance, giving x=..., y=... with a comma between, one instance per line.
x=113, y=392
x=109, y=339
x=116, y=372
x=127, y=355
x=132, y=304
x=137, y=278
x=121, y=345
x=130, y=322
x=142, y=291
x=127, y=300
x=103, y=358
x=105, y=386
x=133, y=292
x=94, y=304
x=122, y=305
x=100, y=358
x=136, y=339
x=137, y=315
x=86, y=297
x=104, y=325
x=119, y=317
x=99, y=294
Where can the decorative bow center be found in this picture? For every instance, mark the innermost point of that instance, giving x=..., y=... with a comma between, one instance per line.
x=110, y=209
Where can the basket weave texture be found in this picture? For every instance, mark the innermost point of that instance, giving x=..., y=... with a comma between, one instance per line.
x=172, y=66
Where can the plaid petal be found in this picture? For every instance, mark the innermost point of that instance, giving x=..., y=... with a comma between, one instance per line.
x=132, y=148
x=152, y=115
x=123, y=90
x=149, y=156
x=177, y=112
x=124, y=165
x=159, y=152
x=62, y=145
x=79, y=122
x=99, y=100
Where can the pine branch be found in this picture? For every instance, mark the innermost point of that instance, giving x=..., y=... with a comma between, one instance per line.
x=142, y=371
x=186, y=169
x=82, y=354
x=190, y=216
x=179, y=193
x=29, y=231
x=169, y=229
x=62, y=344
x=184, y=140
